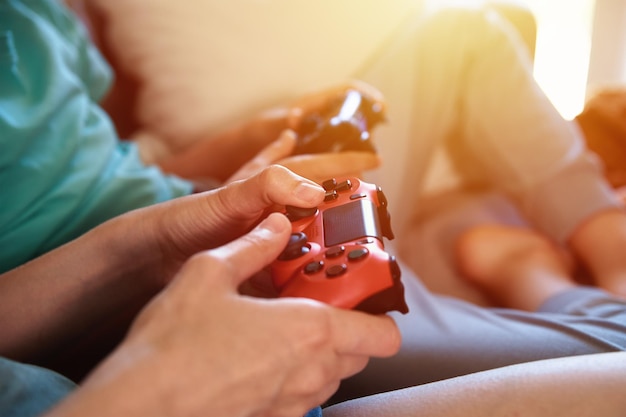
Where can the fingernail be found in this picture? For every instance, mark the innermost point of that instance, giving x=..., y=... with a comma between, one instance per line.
x=272, y=223
x=309, y=193
x=288, y=133
x=289, y=136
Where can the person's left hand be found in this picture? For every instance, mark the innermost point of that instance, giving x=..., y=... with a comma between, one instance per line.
x=242, y=148
x=118, y=265
x=316, y=167
x=161, y=237
x=317, y=102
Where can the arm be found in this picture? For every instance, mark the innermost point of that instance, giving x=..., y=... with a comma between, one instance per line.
x=316, y=167
x=53, y=299
x=510, y=135
x=123, y=262
x=516, y=140
x=224, y=153
x=584, y=386
x=221, y=154
x=201, y=346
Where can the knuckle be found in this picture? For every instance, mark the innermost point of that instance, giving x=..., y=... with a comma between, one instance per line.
x=318, y=378
x=310, y=381
x=312, y=334
x=393, y=339
x=357, y=365
x=272, y=174
x=210, y=261
x=318, y=331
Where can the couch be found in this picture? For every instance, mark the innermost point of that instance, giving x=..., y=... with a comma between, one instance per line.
x=188, y=68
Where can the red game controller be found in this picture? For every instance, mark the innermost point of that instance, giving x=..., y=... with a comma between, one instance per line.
x=336, y=253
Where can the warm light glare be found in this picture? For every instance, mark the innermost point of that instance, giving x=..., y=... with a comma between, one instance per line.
x=562, y=51
x=561, y=65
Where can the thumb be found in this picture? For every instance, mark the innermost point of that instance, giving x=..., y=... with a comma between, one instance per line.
x=255, y=250
x=275, y=151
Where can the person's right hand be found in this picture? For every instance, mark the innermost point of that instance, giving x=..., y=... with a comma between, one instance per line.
x=201, y=348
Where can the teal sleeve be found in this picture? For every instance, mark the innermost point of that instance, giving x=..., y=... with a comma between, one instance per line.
x=28, y=390
x=63, y=169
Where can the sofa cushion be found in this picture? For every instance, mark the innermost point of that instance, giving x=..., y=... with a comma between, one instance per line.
x=201, y=64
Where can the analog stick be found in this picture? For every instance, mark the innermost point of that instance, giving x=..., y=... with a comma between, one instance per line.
x=296, y=247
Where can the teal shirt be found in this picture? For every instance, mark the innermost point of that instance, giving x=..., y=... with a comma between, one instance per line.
x=63, y=169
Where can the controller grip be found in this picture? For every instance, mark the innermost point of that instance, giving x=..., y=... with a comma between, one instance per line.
x=390, y=299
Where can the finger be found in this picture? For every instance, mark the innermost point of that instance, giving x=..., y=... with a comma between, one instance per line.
x=259, y=285
x=321, y=98
x=275, y=185
x=368, y=90
x=250, y=253
x=352, y=365
x=328, y=165
x=365, y=334
x=278, y=149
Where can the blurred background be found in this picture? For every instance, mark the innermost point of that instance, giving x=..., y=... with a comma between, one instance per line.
x=581, y=48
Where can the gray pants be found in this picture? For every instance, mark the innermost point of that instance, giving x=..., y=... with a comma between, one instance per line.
x=445, y=337
x=461, y=80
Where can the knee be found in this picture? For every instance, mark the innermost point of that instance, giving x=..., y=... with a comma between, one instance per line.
x=465, y=28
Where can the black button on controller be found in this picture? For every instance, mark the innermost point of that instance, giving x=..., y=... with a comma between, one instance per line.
x=296, y=213
x=358, y=254
x=296, y=247
x=336, y=270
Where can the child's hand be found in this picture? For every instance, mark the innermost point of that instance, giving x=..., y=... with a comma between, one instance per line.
x=316, y=167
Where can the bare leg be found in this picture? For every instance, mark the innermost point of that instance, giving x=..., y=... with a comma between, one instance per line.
x=599, y=243
x=515, y=266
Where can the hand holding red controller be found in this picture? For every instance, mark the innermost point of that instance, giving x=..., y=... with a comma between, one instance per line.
x=336, y=252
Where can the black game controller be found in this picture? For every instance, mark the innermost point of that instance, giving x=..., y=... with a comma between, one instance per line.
x=345, y=125
x=336, y=252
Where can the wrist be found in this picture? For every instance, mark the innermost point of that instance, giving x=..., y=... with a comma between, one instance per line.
x=77, y=288
x=133, y=252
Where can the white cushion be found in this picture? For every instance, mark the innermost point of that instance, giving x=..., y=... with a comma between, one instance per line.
x=205, y=63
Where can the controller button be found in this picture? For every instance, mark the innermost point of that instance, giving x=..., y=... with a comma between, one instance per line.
x=296, y=247
x=396, y=272
x=336, y=270
x=330, y=184
x=331, y=195
x=385, y=222
x=366, y=241
x=382, y=198
x=335, y=251
x=358, y=254
x=296, y=213
x=344, y=186
x=313, y=267
x=357, y=196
